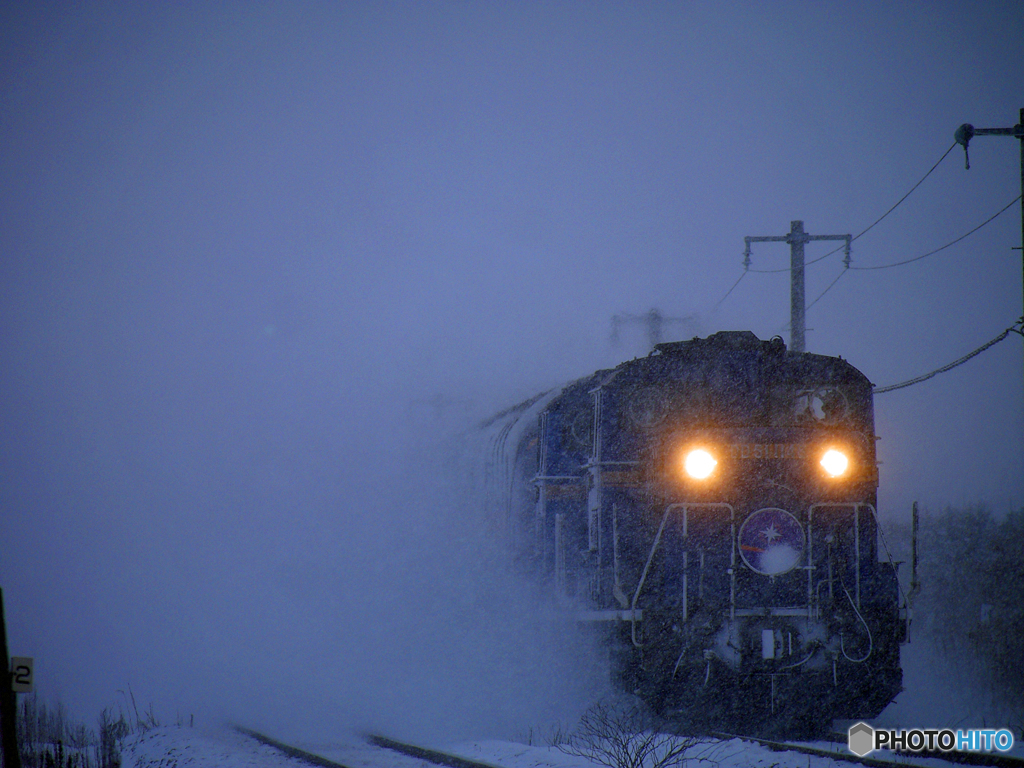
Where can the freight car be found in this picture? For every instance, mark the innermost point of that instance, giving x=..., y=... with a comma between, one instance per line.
x=711, y=508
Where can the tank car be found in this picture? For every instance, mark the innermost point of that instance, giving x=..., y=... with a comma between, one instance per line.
x=711, y=509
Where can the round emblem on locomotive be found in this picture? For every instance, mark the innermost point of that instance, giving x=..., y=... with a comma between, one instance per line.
x=771, y=541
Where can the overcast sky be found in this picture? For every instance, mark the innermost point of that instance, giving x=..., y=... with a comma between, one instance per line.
x=242, y=242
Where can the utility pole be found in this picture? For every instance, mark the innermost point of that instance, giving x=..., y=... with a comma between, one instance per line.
x=8, y=704
x=796, y=239
x=963, y=136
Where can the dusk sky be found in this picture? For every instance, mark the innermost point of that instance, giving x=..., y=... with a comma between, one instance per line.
x=245, y=246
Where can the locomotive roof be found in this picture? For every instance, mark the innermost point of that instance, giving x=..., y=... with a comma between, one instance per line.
x=737, y=351
x=736, y=354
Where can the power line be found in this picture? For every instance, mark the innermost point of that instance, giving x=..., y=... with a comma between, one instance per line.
x=744, y=272
x=916, y=258
x=825, y=291
x=876, y=221
x=904, y=197
x=917, y=380
x=867, y=229
x=947, y=245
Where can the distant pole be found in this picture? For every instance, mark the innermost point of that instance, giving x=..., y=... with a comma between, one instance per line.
x=8, y=704
x=796, y=239
x=654, y=322
x=915, y=522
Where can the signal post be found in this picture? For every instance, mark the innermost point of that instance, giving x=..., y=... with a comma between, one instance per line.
x=8, y=704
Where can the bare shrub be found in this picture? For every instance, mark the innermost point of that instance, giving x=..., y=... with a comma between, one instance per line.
x=622, y=733
x=535, y=737
x=112, y=733
x=47, y=736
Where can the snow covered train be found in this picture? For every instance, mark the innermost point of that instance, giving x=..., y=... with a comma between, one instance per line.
x=712, y=509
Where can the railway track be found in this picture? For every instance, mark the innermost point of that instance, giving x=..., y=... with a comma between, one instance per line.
x=382, y=742
x=898, y=757
x=837, y=754
x=288, y=749
x=431, y=755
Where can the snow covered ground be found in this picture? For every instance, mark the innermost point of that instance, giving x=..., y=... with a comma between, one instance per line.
x=178, y=747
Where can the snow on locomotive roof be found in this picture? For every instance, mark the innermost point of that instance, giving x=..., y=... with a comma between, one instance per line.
x=669, y=360
x=734, y=343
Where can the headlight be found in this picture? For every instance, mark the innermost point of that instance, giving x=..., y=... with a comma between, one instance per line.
x=699, y=464
x=835, y=462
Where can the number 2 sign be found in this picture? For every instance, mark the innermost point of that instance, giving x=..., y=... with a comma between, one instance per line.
x=21, y=674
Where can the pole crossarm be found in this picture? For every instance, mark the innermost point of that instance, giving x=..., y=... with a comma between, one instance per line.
x=966, y=132
x=970, y=131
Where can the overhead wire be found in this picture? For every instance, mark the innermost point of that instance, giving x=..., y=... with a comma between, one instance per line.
x=826, y=290
x=775, y=271
x=876, y=221
x=847, y=267
x=742, y=274
x=871, y=225
x=916, y=258
x=1017, y=328
x=947, y=245
x=918, y=379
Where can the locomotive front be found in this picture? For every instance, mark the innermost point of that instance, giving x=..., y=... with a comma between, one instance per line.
x=714, y=507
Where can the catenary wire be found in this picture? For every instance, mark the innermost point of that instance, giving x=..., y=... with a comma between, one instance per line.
x=955, y=363
x=870, y=226
x=744, y=272
x=916, y=258
x=918, y=379
x=825, y=291
x=947, y=245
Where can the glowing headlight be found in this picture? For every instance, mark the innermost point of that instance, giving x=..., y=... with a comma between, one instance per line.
x=835, y=462
x=699, y=464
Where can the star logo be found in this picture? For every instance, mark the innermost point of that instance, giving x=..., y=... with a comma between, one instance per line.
x=771, y=541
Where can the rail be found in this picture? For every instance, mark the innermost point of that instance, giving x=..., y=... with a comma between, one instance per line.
x=898, y=757
x=430, y=755
x=838, y=753
x=422, y=753
x=288, y=749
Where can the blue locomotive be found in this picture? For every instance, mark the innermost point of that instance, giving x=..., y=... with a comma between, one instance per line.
x=711, y=508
